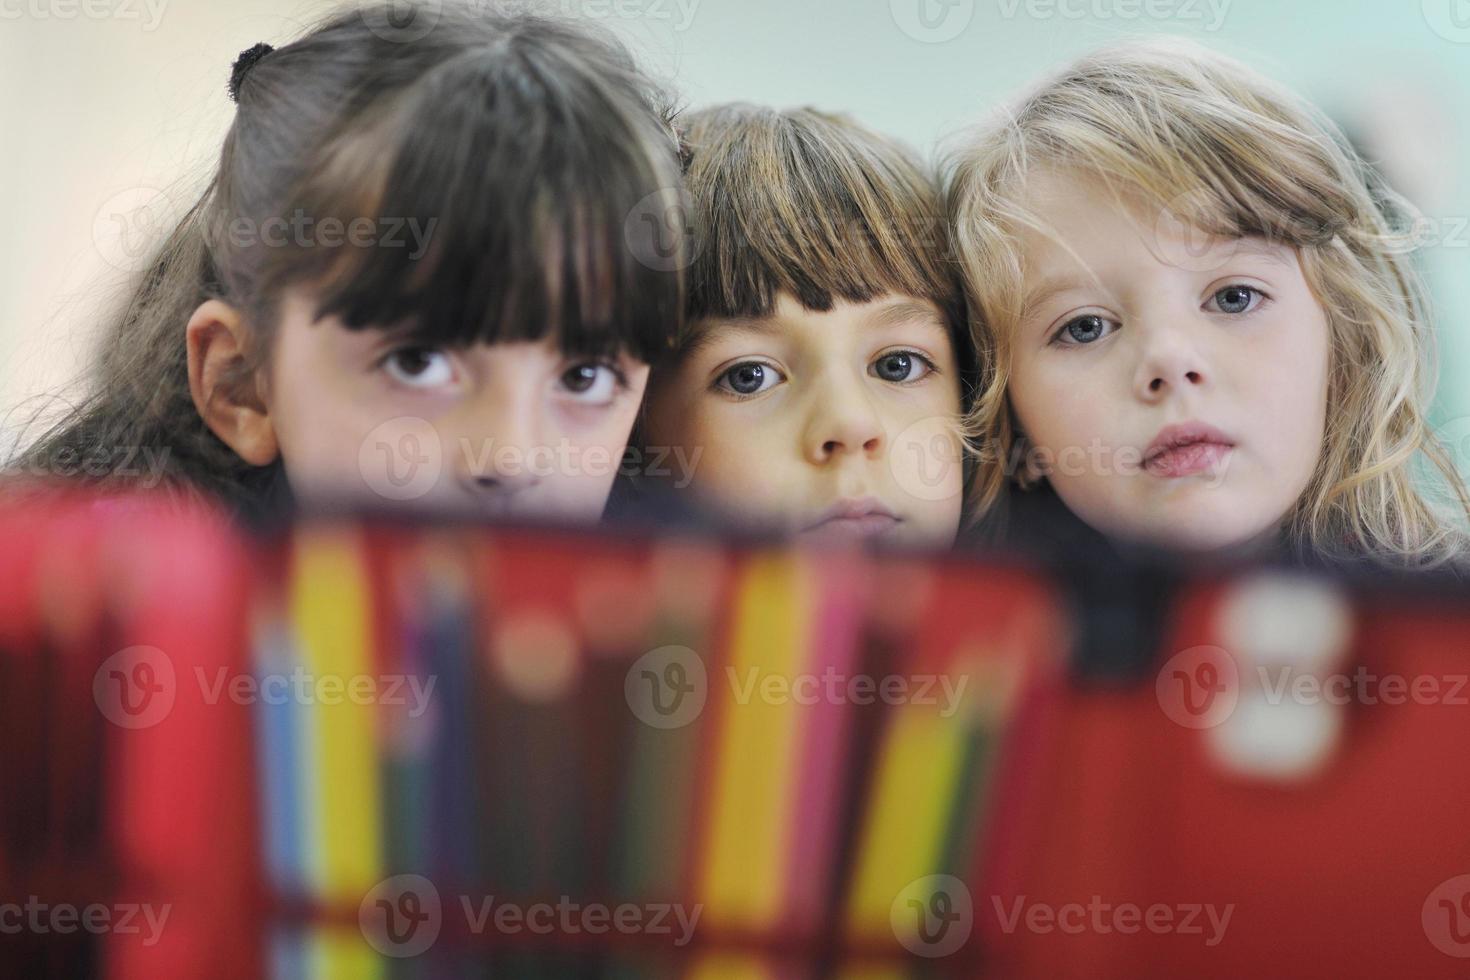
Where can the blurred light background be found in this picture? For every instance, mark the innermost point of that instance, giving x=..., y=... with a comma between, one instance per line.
x=113, y=111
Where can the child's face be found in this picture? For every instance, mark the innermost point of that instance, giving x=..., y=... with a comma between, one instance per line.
x=512, y=429
x=1133, y=327
x=835, y=424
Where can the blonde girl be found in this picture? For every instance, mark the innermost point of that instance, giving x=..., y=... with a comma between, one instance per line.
x=1197, y=320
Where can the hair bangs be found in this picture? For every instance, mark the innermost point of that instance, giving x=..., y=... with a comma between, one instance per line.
x=808, y=204
x=1199, y=142
x=475, y=221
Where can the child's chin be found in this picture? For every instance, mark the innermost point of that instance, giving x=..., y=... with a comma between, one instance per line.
x=928, y=536
x=1204, y=534
x=905, y=534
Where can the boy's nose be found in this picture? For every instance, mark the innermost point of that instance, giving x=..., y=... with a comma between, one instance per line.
x=846, y=424
x=853, y=439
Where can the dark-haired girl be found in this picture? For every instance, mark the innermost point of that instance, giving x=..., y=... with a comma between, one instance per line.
x=431, y=267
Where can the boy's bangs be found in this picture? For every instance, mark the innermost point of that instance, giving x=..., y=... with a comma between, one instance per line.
x=498, y=212
x=805, y=208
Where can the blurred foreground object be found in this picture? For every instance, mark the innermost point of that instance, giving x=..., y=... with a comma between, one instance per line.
x=368, y=747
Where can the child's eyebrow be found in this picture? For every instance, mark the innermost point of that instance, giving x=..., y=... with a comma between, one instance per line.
x=1268, y=250
x=907, y=311
x=887, y=315
x=706, y=333
x=405, y=332
x=1051, y=286
x=1045, y=290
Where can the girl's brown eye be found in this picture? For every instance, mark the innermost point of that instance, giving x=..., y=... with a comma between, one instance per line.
x=413, y=361
x=592, y=383
x=419, y=367
x=580, y=378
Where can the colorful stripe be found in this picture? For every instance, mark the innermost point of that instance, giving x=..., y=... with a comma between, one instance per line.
x=792, y=818
x=329, y=604
x=278, y=741
x=908, y=814
x=751, y=810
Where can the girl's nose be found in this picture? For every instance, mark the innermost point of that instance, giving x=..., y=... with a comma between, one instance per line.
x=501, y=483
x=1170, y=363
x=1172, y=376
x=499, y=454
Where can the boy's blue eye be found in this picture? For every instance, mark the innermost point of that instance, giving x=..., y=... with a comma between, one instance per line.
x=1236, y=299
x=901, y=366
x=749, y=378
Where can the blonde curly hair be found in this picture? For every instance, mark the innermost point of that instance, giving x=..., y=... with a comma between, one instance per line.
x=1216, y=146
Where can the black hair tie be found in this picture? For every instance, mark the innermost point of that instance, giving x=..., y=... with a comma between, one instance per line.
x=243, y=64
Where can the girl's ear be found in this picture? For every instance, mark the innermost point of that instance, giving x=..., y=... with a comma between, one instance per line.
x=226, y=395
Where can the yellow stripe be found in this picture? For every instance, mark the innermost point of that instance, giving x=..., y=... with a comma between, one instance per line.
x=908, y=813
x=330, y=604
x=750, y=809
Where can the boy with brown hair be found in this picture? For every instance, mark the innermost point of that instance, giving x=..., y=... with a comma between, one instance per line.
x=824, y=368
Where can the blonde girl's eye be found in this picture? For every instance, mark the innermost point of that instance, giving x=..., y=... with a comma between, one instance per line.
x=419, y=367
x=749, y=378
x=592, y=382
x=903, y=367
x=1082, y=330
x=1237, y=299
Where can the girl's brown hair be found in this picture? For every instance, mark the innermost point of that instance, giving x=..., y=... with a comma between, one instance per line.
x=527, y=145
